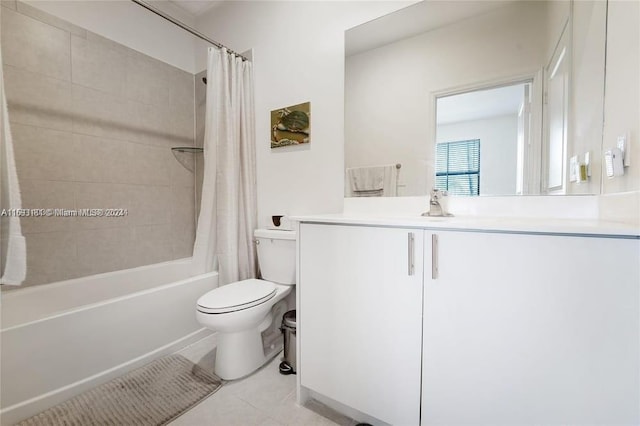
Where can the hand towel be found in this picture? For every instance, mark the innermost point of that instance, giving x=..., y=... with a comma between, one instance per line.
x=374, y=181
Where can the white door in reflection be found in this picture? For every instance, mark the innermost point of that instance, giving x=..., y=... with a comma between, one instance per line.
x=482, y=141
x=557, y=107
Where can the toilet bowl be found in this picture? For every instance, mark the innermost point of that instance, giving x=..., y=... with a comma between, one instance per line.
x=241, y=311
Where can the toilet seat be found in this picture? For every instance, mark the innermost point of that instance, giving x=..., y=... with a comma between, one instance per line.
x=236, y=296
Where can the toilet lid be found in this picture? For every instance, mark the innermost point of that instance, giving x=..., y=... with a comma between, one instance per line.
x=236, y=296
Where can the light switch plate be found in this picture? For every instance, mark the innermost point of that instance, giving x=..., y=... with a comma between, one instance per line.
x=587, y=162
x=573, y=168
x=623, y=145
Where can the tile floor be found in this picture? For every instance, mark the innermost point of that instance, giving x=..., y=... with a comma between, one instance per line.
x=265, y=398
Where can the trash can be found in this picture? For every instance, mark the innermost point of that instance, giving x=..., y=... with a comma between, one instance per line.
x=288, y=366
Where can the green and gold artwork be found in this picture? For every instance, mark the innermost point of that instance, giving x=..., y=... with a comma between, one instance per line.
x=290, y=125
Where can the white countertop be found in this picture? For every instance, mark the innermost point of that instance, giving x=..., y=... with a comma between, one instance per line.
x=490, y=224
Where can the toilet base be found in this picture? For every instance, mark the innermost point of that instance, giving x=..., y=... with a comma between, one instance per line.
x=238, y=354
x=241, y=353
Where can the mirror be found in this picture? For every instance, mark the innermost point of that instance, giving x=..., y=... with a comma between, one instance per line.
x=441, y=72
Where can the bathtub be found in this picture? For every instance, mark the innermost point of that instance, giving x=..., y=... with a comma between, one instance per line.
x=60, y=339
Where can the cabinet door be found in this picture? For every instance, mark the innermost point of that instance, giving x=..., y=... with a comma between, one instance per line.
x=360, y=318
x=530, y=329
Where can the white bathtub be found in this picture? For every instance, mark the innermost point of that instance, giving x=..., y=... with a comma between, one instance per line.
x=60, y=339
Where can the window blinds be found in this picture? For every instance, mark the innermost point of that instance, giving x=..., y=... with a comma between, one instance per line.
x=458, y=167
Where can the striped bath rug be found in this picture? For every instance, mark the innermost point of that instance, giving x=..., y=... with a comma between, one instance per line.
x=153, y=394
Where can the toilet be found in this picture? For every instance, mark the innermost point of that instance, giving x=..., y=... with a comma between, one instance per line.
x=246, y=314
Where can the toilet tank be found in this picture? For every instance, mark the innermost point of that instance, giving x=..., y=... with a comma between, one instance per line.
x=276, y=255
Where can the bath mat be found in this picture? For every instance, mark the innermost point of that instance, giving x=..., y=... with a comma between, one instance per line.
x=153, y=394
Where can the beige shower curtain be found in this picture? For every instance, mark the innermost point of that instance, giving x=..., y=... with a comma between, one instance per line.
x=224, y=236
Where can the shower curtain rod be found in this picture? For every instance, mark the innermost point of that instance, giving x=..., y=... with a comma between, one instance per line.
x=185, y=27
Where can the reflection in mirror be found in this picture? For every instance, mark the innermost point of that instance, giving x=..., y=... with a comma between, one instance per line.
x=398, y=68
x=481, y=138
x=556, y=117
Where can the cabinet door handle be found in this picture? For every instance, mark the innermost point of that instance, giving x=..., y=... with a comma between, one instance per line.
x=411, y=253
x=434, y=257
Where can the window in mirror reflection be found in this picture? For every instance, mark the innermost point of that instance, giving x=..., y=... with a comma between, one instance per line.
x=458, y=167
x=499, y=118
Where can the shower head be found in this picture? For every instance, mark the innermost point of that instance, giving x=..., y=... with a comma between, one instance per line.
x=204, y=80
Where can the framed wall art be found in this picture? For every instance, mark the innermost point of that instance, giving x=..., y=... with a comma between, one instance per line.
x=291, y=125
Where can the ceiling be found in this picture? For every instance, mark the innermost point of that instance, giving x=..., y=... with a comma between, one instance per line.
x=416, y=19
x=480, y=104
x=196, y=7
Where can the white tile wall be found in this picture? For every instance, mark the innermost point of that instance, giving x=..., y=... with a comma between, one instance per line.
x=34, y=46
x=93, y=123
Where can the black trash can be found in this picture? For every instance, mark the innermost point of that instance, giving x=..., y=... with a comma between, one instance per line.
x=288, y=366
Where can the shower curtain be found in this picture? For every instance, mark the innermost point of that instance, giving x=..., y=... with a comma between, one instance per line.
x=224, y=236
x=13, y=248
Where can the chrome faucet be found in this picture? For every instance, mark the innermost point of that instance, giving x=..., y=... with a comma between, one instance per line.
x=435, y=208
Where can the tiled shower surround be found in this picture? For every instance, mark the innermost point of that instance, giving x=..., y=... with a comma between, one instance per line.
x=93, y=123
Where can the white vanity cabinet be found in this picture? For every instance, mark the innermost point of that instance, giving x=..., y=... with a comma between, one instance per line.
x=531, y=329
x=491, y=328
x=360, y=318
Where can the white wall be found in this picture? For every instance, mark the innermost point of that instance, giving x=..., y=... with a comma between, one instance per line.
x=130, y=25
x=388, y=89
x=498, y=149
x=298, y=52
x=558, y=12
x=622, y=90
